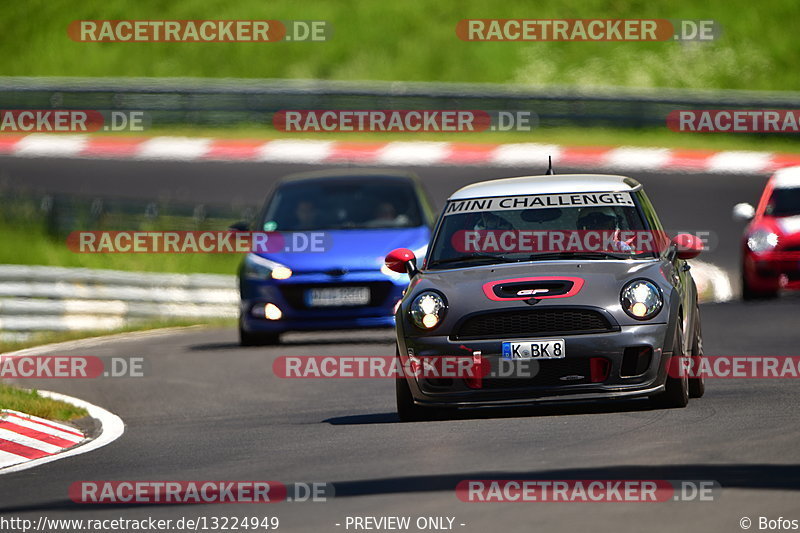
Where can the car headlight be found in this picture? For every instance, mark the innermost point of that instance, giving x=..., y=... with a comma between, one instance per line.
x=762, y=241
x=427, y=310
x=641, y=299
x=256, y=267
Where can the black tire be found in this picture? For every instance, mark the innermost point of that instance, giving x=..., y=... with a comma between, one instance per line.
x=749, y=294
x=247, y=338
x=407, y=410
x=697, y=386
x=676, y=394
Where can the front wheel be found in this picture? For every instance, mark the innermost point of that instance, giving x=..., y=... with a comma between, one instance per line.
x=676, y=393
x=247, y=338
x=407, y=410
x=697, y=386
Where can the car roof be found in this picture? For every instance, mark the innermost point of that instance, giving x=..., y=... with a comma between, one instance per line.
x=350, y=173
x=786, y=178
x=552, y=184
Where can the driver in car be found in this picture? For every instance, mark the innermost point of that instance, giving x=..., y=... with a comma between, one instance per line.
x=604, y=219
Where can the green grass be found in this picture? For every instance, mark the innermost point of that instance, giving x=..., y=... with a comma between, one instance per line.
x=27, y=244
x=415, y=40
x=49, y=337
x=30, y=402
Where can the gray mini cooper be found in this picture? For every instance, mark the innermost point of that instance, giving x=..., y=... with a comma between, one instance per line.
x=554, y=288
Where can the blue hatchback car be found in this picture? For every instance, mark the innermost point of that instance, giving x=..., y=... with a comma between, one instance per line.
x=357, y=216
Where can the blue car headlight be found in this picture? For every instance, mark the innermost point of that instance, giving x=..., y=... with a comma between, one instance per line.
x=257, y=268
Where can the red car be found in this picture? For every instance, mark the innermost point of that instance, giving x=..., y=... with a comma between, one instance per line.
x=771, y=244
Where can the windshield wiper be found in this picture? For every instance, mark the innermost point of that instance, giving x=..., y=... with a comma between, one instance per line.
x=580, y=255
x=474, y=257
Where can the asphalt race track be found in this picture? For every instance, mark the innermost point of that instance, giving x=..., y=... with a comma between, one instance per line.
x=211, y=410
x=685, y=202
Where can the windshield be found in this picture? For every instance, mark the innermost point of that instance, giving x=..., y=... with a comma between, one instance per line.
x=784, y=202
x=342, y=204
x=537, y=232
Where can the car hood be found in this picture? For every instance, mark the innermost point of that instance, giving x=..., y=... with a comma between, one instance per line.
x=788, y=225
x=602, y=281
x=353, y=250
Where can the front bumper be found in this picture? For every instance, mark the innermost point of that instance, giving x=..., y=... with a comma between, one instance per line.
x=287, y=295
x=765, y=270
x=555, y=379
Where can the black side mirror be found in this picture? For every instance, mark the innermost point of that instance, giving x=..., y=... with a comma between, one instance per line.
x=239, y=226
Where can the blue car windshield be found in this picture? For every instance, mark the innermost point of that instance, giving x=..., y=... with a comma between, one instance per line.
x=342, y=204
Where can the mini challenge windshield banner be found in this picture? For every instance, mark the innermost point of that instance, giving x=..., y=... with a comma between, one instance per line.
x=539, y=201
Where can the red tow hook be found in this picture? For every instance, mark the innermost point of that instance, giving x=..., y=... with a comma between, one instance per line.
x=599, y=368
x=480, y=367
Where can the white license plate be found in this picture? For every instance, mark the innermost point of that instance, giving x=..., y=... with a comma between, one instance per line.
x=337, y=296
x=535, y=349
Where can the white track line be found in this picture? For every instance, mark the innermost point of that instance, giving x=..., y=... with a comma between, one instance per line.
x=173, y=148
x=44, y=145
x=291, y=151
x=413, y=153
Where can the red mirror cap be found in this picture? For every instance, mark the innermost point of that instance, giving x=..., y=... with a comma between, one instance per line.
x=689, y=246
x=397, y=259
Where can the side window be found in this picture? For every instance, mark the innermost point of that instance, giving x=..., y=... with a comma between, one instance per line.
x=650, y=215
x=648, y=211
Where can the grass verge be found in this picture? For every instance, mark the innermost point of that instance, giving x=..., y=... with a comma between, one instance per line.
x=416, y=40
x=30, y=402
x=33, y=246
x=49, y=337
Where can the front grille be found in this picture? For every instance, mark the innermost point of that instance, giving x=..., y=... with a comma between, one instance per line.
x=533, y=323
x=294, y=293
x=577, y=372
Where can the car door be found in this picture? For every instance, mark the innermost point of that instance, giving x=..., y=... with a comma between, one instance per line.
x=678, y=271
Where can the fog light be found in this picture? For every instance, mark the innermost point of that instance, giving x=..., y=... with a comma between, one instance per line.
x=639, y=309
x=429, y=320
x=272, y=312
